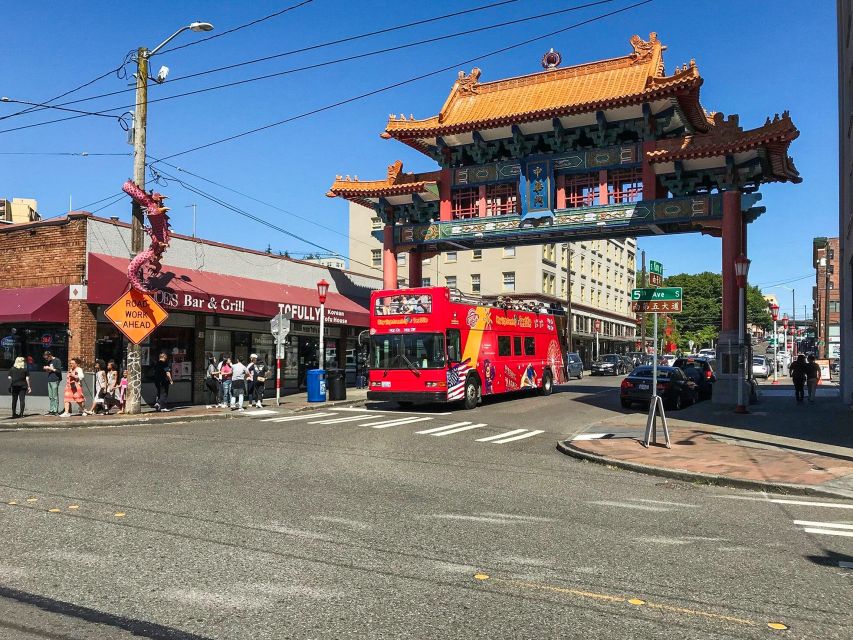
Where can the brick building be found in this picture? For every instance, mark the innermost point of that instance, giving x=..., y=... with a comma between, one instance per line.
x=62, y=274
x=826, y=296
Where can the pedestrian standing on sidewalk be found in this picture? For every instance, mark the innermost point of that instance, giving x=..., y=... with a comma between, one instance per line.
x=19, y=385
x=110, y=397
x=238, y=384
x=53, y=369
x=122, y=391
x=74, y=388
x=211, y=383
x=797, y=371
x=250, y=378
x=812, y=377
x=100, y=387
x=225, y=372
x=162, y=382
x=260, y=380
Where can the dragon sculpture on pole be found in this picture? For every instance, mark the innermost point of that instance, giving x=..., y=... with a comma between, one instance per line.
x=146, y=264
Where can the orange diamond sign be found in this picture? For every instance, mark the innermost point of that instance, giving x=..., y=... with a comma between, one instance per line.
x=136, y=314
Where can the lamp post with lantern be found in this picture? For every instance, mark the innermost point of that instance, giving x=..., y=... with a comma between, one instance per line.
x=774, y=313
x=322, y=291
x=787, y=358
x=741, y=271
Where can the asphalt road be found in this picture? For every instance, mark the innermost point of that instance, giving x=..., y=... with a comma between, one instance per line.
x=353, y=524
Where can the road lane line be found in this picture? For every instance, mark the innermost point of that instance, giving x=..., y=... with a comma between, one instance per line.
x=628, y=505
x=418, y=413
x=395, y=423
x=669, y=504
x=340, y=420
x=460, y=429
x=805, y=503
x=824, y=525
x=501, y=435
x=299, y=417
x=535, y=432
x=261, y=412
x=829, y=532
x=447, y=426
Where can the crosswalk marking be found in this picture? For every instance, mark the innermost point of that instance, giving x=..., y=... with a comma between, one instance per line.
x=823, y=525
x=299, y=417
x=259, y=412
x=384, y=424
x=805, y=503
x=447, y=426
x=391, y=411
x=829, y=532
x=340, y=420
x=459, y=429
x=502, y=435
x=535, y=432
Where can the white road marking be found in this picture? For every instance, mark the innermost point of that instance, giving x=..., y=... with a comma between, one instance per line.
x=628, y=505
x=536, y=432
x=592, y=436
x=395, y=423
x=843, y=564
x=460, y=429
x=422, y=413
x=829, y=532
x=805, y=503
x=299, y=417
x=510, y=516
x=340, y=420
x=670, y=504
x=260, y=412
x=824, y=525
x=447, y=426
x=501, y=435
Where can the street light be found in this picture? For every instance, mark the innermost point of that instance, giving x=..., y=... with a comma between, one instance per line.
x=786, y=357
x=741, y=271
x=140, y=119
x=322, y=290
x=774, y=313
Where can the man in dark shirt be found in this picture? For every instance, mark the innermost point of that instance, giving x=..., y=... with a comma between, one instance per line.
x=162, y=382
x=812, y=377
x=53, y=368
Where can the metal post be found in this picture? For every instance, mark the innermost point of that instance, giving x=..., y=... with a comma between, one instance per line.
x=643, y=285
x=656, y=403
x=322, y=359
x=775, y=353
x=569, y=326
x=794, y=320
x=825, y=351
x=741, y=408
x=278, y=347
x=140, y=119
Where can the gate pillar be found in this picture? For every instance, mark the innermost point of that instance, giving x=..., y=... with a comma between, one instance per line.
x=733, y=246
x=416, y=268
x=389, y=258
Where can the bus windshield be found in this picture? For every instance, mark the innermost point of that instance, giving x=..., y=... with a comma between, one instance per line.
x=407, y=351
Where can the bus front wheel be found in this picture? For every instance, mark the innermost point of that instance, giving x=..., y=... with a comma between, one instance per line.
x=472, y=393
x=547, y=383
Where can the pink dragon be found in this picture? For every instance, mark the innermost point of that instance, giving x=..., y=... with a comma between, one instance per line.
x=146, y=264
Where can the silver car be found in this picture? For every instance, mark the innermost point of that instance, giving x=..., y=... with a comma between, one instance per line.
x=760, y=367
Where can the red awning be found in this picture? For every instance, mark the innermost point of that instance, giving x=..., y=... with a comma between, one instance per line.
x=217, y=293
x=36, y=304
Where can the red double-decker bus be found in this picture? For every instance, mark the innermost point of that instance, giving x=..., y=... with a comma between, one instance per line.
x=431, y=345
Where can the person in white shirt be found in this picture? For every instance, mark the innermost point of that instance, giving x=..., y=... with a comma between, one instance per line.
x=238, y=384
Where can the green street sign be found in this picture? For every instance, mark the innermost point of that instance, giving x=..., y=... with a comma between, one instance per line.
x=656, y=267
x=663, y=294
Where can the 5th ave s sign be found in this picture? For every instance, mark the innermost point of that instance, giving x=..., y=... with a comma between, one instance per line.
x=662, y=300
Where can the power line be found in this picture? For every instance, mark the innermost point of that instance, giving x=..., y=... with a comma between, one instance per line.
x=405, y=82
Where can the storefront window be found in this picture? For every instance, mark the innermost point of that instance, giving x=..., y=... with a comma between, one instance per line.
x=110, y=345
x=30, y=342
x=177, y=342
x=217, y=343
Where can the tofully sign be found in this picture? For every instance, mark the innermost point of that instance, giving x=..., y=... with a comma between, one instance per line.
x=136, y=315
x=663, y=300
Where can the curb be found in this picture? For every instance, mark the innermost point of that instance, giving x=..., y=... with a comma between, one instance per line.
x=565, y=447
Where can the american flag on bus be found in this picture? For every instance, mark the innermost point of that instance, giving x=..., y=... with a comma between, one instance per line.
x=456, y=381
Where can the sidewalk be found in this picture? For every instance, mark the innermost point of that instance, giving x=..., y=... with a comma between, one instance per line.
x=289, y=404
x=779, y=446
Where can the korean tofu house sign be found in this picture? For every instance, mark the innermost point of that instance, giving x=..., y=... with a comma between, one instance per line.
x=136, y=315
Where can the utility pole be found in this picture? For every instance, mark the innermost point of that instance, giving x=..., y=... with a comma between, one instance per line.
x=194, y=207
x=569, y=323
x=826, y=271
x=140, y=120
x=643, y=285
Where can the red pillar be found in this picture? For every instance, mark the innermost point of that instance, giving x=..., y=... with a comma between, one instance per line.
x=561, y=191
x=733, y=246
x=481, y=205
x=602, y=187
x=415, y=269
x=389, y=258
x=445, y=207
x=650, y=179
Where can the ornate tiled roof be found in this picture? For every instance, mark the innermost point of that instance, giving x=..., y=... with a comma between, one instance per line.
x=632, y=79
x=396, y=183
x=726, y=137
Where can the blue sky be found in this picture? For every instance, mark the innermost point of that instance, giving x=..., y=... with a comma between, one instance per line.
x=756, y=61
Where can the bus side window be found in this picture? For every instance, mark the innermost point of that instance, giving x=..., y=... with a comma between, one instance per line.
x=454, y=350
x=504, y=346
x=516, y=345
x=529, y=346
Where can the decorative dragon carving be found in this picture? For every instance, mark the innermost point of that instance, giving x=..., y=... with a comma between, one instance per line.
x=146, y=264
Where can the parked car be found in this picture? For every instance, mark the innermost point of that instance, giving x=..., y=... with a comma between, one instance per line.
x=574, y=366
x=676, y=389
x=666, y=360
x=701, y=372
x=609, y=364
x=760, y=367
x=708, y=353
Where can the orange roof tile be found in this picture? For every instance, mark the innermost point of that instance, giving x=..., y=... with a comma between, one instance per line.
x=630, y=79
x=396, y=183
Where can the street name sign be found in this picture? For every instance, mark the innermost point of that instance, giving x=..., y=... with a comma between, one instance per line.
x=655, y=279
x=656, y=267
x=663, y=300
x=136, y=314
x=649, y=306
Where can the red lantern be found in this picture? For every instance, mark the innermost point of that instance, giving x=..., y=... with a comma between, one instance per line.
x=741, y=270
x=785, y=321
x=774, y=312
x=322, y=290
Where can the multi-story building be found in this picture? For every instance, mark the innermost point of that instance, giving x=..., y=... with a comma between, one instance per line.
x=827, y=305
x=845, y=192
x=601, y=272
x=18, y=210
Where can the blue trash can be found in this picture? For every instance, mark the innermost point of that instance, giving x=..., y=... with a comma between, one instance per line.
x=316, y=385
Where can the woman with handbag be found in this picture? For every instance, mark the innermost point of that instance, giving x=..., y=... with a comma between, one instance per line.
x=74, y=388
x=110, y=399
x=211, y=383
x=98, y=397
x=259, y=373
x=19, y=385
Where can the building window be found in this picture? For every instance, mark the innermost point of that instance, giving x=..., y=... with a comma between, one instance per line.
x=501, y=199
x=509, y=280
x=466, y=203
x=450, y=256
x=376, y=257
x=582, y=190
x=401, y=259
x=376, y=223
x=426, y=282
x=834, y=306
x=509, y=252
x=548, y=281
x=624, y=185
x=478, y=254
x=475, y=282
x=564, y=287
x=549, y=253
x=450, y=281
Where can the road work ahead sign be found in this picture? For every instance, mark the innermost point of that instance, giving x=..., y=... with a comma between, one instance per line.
x=136, y=315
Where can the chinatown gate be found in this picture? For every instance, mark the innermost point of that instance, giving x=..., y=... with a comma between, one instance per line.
x=608, y=149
